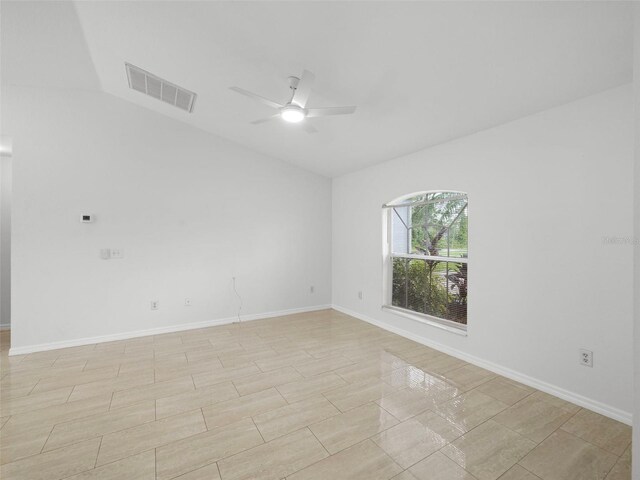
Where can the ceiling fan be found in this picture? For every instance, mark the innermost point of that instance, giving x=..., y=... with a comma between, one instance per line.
x=295, y=110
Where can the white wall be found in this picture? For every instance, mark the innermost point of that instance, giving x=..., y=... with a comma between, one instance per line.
x=189, y=209
x=5, y=241
x=636, y=85
x=543, y=192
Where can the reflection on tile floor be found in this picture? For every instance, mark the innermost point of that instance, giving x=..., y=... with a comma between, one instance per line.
x=311, y=396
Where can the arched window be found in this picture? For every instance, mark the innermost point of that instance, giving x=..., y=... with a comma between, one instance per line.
x=426, y=257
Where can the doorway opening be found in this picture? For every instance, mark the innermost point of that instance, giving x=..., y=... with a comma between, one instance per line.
x=6, y=179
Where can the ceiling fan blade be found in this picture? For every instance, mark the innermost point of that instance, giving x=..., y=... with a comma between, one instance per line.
x=268, y=119
x=323, y=112
x=266, y=101
x=309, y=128
x=303, y=90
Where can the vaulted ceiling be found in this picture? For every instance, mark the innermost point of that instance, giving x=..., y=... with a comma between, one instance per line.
x=420, y=73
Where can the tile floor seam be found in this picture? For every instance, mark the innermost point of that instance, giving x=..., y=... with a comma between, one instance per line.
x=68, y=397
x=441, y=415
x=324, y=391
x=204, y=419
x=335, y=406
x=511, y=429
x=98, y=454
x=111, y=401
x=48, y=437
x=612, y=467
x=235, y=388
x=384, y=452
x=591, y=444
x=199, y=467
x=30, y=391
x=84, y=366
x=423, y=458
x=400, y=421
x=114, y=431
x=451, y=459
x=104, y=464
x=285, y=399
x=6, y=421
x=65, y=477
x=53, y=450
x=308, y=427
x=311, y=464
x=508, y=428
x=206, y=425
x=255, y=425
x=527, y=396
x=522, y=400
x=485, y=421
x=601, y=448
x=524, y=468
x=142, y=451
x=560, y=427
x=414, y=463
x=364, y=439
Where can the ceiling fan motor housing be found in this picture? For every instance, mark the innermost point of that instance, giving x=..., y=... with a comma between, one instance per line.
x=293, y=82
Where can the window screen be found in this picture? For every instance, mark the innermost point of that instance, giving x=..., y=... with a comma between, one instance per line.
x=428, y=255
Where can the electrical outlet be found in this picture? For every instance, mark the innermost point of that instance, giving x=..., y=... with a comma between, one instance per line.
x=155, y=304
x=187, y=302
x=360, y=294
x=586, y=357
x=117, y=253
x=312, y=289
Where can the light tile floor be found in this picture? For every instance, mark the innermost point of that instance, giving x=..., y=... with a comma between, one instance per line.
x=311, y=396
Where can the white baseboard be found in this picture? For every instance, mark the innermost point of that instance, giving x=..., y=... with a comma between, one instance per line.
x=5, y=326
x=156, y=331
x=601, y=408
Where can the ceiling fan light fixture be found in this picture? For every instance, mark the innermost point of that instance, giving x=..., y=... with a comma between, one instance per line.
x=295, y=110
x=292, y=114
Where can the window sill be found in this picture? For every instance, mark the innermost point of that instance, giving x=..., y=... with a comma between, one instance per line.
x=426, y=319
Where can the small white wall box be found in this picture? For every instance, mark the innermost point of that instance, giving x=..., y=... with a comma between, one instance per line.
x=86, y=218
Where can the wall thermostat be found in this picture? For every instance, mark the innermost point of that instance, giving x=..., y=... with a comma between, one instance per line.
x=86, y=218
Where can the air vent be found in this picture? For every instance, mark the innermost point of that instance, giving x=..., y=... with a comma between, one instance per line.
x=156, y=87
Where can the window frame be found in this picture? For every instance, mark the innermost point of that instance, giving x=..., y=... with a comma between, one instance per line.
x=388, y=256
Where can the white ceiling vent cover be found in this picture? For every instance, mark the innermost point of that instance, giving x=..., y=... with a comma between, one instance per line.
x=156, y=87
